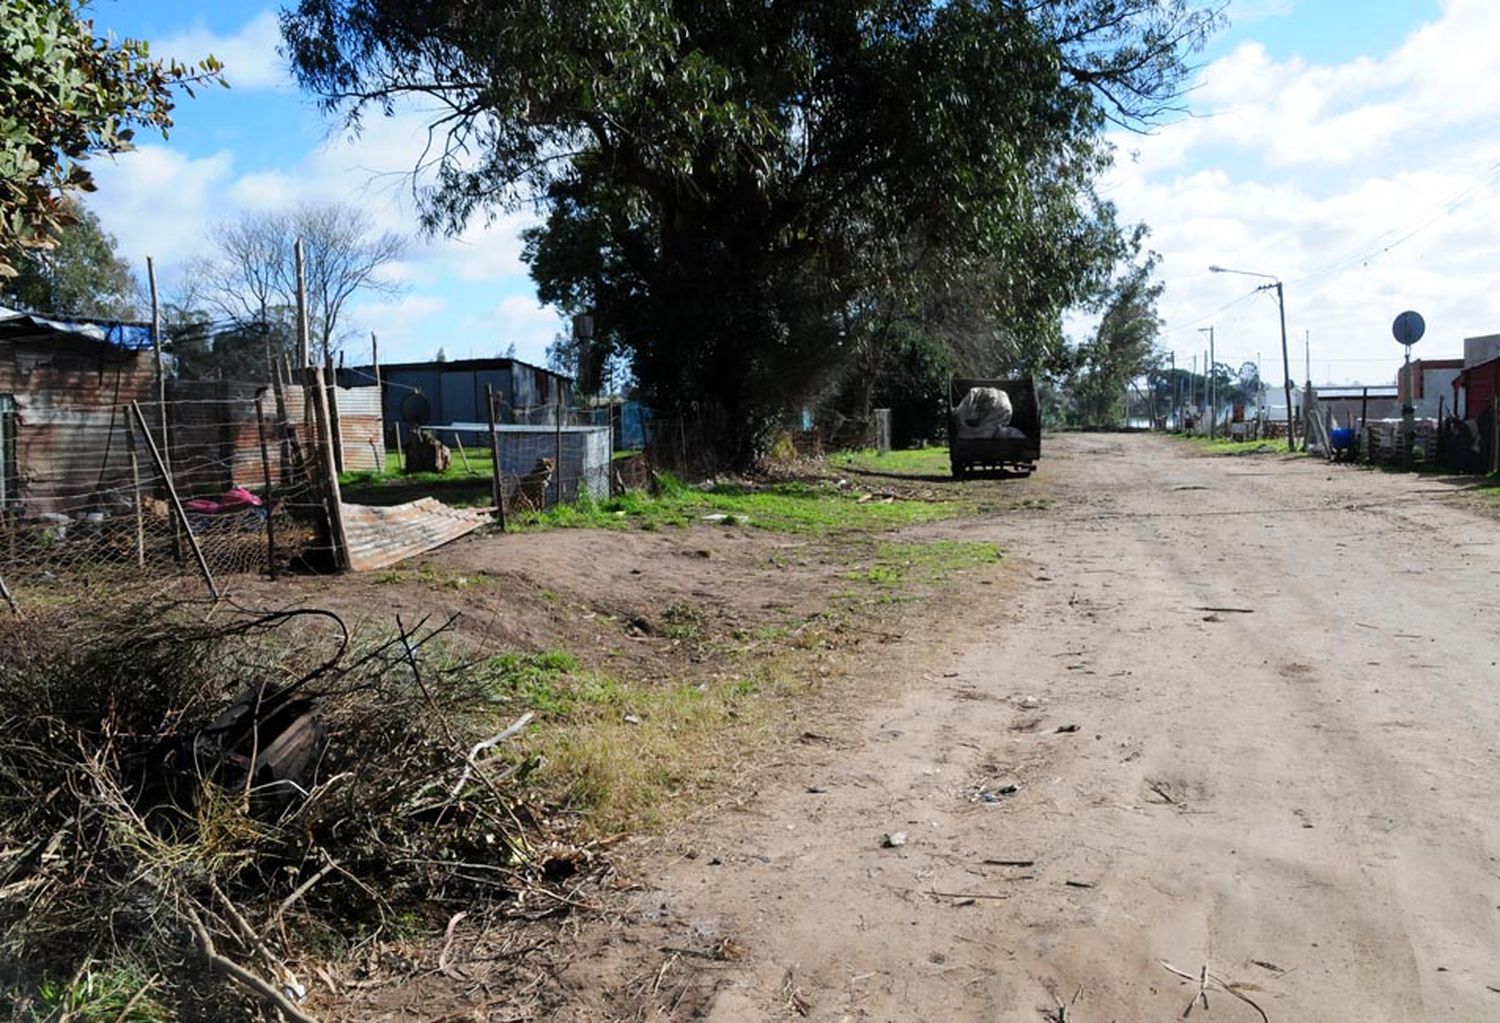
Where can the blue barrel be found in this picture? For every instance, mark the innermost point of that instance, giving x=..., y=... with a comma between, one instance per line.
x=1342, y=438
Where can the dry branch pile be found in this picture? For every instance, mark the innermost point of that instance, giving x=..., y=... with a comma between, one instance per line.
x=209, y=804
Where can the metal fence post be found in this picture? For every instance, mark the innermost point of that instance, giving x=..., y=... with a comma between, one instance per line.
x=557, y=468
x=497, y=491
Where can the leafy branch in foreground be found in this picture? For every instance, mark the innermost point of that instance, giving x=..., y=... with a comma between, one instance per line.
x=65, y=95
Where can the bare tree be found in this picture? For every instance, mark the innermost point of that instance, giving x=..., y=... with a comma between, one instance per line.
x=252, y=275
x=343, y=257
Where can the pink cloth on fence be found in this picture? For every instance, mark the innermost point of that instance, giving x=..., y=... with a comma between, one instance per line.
x=232, y=500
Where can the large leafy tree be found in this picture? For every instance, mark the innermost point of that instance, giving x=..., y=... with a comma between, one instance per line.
x=67, y=94
x=81, y=273
x=745, y=191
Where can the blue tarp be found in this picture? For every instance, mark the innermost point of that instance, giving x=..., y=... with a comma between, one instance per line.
x=130, y=336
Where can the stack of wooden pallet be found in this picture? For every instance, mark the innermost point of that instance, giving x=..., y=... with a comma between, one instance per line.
x=1385, y=442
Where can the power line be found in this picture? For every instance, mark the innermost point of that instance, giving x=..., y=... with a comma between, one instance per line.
x=1393, y=237
x=1207, y=316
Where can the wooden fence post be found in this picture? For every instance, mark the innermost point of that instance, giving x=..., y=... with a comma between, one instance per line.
x=336, y=435
x=333, y=499
x=182, y=518
x=265, y=468
x=557, y=468
x=135, y=483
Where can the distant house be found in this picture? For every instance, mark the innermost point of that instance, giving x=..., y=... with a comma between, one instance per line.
x=1352, y=403
x=1475, y=387
x=453, y=392
x=65, y=384
x=1478, y=381
x=1428, y=384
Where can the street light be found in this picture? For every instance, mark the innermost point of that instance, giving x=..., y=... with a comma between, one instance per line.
x=1286, y=362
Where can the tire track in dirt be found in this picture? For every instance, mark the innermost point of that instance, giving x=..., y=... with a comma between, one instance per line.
x=1299, y=796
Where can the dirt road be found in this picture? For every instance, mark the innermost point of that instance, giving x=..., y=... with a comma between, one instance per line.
x=1299, y=790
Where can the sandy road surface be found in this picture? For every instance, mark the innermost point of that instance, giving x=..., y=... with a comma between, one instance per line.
x=1304, y=795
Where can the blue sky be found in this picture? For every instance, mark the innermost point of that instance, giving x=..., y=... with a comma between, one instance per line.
x=1320, y=133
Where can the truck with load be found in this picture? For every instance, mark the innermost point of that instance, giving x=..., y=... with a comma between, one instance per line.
x=993, y=424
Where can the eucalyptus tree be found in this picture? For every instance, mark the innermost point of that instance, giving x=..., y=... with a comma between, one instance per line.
x=738, y=188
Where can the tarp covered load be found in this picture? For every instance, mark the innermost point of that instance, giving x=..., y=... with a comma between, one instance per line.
x=986, y=412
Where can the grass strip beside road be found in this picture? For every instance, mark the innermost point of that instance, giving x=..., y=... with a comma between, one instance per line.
x=1225, y=446
x=812, y=508
x=915, y=462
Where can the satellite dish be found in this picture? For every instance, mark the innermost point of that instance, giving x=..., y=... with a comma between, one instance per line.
x=1409, y=328
x=415, y=409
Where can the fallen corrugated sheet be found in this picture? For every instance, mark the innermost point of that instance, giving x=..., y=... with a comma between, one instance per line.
x=381, y=537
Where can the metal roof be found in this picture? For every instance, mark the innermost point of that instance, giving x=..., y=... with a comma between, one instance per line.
x=1381, y=391
x=457, y=366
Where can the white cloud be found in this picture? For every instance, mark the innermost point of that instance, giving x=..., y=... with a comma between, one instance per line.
x=249, y=56
x=1370, y=186
x=1292, y=112
x=399, y=323
x=531, y=326
x=158, y=202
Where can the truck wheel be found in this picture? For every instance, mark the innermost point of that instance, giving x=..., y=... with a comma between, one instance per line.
x=960, y=472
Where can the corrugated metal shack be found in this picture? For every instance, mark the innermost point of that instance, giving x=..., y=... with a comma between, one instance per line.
x=216, y=439
x=455, y=390
x=62, y=386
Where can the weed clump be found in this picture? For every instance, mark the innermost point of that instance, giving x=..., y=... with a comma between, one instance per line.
x=183, y=804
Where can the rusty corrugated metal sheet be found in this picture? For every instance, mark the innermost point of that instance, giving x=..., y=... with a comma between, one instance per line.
x=381, y=537
x=215, y=441
x=360, y=428
x=68, y=453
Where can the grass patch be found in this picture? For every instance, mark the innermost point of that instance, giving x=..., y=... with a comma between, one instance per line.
x=931, y=561
x=915, y=462
x=1225, y=446
x=535, y=681
x=807, y=508
x=432, y=577
x=120, y=994
x=462, y=484
x=628, y=753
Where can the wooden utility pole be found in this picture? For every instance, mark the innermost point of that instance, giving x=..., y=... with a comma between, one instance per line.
x=1291, y=431
x=1176, y=394
x=1210, y=386
x=557, y=468
x=161, y=371
x=161, y=402
x=135, y=483
x=333, y=497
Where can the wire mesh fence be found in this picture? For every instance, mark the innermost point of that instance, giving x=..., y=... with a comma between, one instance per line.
x=544, y=455
x=215, y=478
